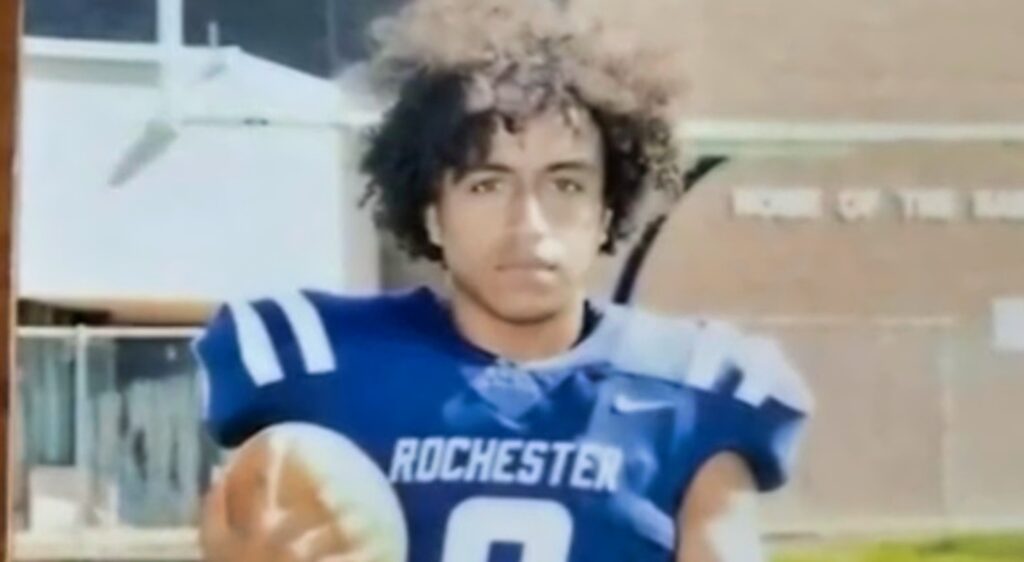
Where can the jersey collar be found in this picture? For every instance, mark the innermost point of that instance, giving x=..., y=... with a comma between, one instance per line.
x=591, y=349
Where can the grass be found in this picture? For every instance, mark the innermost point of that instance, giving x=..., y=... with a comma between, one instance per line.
x=966, y=548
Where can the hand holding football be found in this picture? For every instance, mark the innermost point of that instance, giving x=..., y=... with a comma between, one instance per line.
x=301, y=493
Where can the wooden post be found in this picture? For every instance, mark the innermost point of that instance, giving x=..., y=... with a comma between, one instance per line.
x=10, y=30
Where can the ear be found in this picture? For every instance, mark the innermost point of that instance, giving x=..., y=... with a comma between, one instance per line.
x=433, y=225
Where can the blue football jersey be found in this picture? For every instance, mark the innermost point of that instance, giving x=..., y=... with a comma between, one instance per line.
x=583, y=457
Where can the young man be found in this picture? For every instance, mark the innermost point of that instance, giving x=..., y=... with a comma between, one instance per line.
x=631, y=437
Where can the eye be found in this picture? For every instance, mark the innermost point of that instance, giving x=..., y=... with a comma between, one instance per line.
x=568, y=185
x=484, y=186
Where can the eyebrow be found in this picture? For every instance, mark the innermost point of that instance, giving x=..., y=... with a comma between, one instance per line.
x=565, y=165
x=490, y=167
x=572, y=166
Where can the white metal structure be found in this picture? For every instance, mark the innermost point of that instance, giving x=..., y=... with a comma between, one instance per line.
x=233, y=178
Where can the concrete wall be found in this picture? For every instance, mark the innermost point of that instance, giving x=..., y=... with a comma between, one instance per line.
x=886, y=60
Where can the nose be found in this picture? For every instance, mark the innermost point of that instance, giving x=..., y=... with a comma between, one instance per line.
x=527, y=214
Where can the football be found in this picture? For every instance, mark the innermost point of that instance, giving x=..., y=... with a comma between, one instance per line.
x=302, y=484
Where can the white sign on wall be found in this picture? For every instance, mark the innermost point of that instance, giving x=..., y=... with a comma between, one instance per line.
x=1008, y=323
x=1002, y=204
x=859, y=204
x=863, y=204
x=788, y=203
x=928, y=204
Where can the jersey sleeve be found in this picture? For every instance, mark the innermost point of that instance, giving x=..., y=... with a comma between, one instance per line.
x=753, y=402
x=230, y=389
x=252, y=358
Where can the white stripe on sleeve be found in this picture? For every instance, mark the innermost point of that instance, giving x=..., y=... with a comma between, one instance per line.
x=309, y=330
x=254, y=341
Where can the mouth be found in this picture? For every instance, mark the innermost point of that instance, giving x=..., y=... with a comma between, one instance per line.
x=526, y=266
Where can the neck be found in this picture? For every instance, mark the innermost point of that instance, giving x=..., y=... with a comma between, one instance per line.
x=518, y=341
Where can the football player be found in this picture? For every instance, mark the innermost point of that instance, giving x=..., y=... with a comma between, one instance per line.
x=515, y=418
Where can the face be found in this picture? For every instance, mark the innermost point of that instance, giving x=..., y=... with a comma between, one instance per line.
x=521, y=230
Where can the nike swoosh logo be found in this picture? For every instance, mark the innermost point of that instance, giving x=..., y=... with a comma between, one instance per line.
x=624, y=404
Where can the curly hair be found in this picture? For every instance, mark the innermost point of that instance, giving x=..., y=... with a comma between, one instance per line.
x=464, y=67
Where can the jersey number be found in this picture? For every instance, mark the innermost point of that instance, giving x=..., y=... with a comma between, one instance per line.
x=529, y=531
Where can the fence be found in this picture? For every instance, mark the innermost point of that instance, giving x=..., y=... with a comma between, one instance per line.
x=110, y=431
